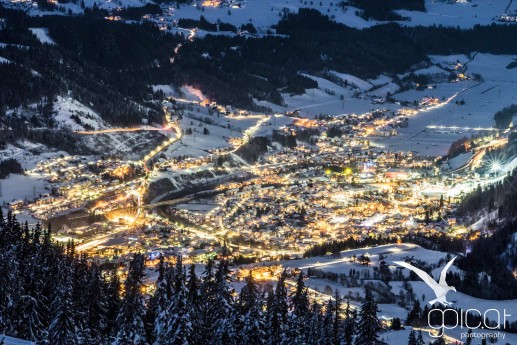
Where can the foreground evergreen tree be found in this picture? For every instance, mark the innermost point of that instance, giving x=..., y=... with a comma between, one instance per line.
x=369, y=325
x=277, y=311
x=157, y=313
x=350, y=324
x=62, y=329
x=225, y=332
x=96, y=319
x=415, y=313
x=130, y=319
x=52, y=296
x=178, y=326
x=300, y=306
x=420, y=339
x=251, y=325
x=412, y=338
x=337, y=331
x=113, y=288
x=327, y=333
x=469, y=339
x=300, y=301
x=205, y=309
x=441, y=341
x=314, y=327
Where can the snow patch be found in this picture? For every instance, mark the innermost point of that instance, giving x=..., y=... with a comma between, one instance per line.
x=353, y=80
x=166, y=89
x=192, y=94
x=68, y=108
x=42, y=35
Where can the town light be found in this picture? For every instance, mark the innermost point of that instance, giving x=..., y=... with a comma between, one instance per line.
x=496, y=166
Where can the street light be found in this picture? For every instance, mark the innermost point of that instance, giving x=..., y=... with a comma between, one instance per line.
x=496, y=166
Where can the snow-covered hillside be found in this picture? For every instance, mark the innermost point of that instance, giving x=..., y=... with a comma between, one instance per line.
x=42, y=35
x=75, y=116
x=264, y=14
x=14, y=341
x=496, y=90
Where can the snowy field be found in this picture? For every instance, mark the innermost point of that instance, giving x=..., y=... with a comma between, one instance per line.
x=464, y=14
x=264, y=14
x=391, y=252
x=482, y=100
x=316, y=102
x=22, y=187
x=397, y=252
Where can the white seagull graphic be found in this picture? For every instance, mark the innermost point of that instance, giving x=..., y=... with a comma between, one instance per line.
x=440, y=289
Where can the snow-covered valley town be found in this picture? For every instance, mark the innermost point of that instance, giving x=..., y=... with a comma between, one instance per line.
x=335, y=191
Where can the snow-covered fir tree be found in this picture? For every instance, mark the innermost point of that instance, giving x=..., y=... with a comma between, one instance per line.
x=178, y=326
x=62, y=329
x=251, y=325
x=368, y=325
x=277, y=313
x=412, y=338
x=159, y=303
x=350, y=324
x=68, y=298
x=130, y=321
x=224, y=305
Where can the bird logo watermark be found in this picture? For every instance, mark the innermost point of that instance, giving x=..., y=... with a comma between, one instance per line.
x=440, y=288
x=490, y=320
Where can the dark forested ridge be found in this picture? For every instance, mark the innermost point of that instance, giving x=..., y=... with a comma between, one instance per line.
x=105, y=64
x=100, y=64
x=491, y=258
x=384, y=9
x=51, y=295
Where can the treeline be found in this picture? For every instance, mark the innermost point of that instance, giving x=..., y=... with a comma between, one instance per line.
x=336, y=246
x=383, y=9
x=46, y=291
x=488, y=266
x=136, y=13
x=451, y=40
x=204, y=24
x=51, y=295
x=316, y=43
x=504, y=117
x=496, y=197
x=10, y=166
x=110, y=65
x=489, y=261
x=433, y=242
x=102, y=64
x=21, y=87
x=112, y=45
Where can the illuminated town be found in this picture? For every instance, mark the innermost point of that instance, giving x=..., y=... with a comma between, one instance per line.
x=336, y=187
x=227, y=172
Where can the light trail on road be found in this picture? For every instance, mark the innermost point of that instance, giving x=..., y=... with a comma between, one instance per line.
x=122, y=130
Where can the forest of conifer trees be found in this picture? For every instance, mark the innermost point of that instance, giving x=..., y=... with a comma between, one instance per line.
x=50, y=294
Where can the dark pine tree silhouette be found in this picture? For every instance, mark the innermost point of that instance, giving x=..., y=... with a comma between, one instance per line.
x=130, y=321
x=369, y=325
